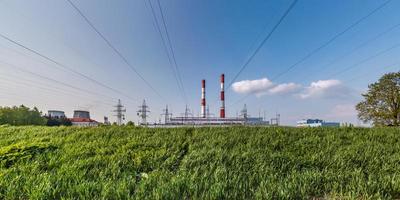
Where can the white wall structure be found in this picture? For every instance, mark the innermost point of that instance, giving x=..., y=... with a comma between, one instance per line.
x=316, y=123
x=56, y=114
x=83, y=122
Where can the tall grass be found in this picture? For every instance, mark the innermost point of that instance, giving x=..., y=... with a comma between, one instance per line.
x=199, y=163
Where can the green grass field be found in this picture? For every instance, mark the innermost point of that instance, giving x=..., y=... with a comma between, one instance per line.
x=199, y=163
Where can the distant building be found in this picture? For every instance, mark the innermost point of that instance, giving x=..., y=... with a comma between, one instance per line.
x=256, y=121
x=56, y=114
x=316, y=123
x=106, y=121
x=82, y=118
x=83, y=122
x=81, y=114
x=216, y=121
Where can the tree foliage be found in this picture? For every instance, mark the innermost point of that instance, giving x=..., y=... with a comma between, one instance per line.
x=381, y=104
x=52, y=121
x=21, y=115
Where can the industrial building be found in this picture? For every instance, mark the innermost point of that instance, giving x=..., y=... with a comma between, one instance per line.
x=316, y=123
x=81, y=114
x=205, y=119
x=216, y=121
x=56, y=114
x=82, y=118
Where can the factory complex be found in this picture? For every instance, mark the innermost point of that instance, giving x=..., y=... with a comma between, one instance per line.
x=82, y=118
x=205, y=119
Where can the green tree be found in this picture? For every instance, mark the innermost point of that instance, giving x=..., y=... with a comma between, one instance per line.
x=381, y=104
x=52, y=122
x=130, y=123
x=63, y=121
x=21, y=115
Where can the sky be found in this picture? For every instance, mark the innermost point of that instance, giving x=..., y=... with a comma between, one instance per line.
x=330, y=64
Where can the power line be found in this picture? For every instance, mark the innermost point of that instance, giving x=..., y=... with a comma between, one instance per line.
x=331, y=40
x=68, y=45
x=366, y=59
x=348, y=53
x=64, y=66
x=397, y=64
x=340, y=72
x=50, y=90
x=113, y=48
x=170, y=46
x=254, y=43
x=264, y=29
x=157, y=26
x=38, y=60
x=52, y=87
x=263, y=42
x=258, y=48
x=53, y=80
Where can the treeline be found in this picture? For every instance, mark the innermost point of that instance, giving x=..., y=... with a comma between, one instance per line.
x=22, y=115
x=51, y=121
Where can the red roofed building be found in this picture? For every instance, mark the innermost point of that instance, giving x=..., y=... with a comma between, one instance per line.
x=82, y=118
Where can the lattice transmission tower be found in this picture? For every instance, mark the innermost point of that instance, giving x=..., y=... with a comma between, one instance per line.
x=120, y=112
x=143, y=112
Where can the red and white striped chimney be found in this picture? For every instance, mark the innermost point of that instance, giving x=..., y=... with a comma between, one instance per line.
x=222, y=110
x=203, y=98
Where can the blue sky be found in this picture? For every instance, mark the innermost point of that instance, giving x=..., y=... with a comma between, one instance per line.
x=209, y=38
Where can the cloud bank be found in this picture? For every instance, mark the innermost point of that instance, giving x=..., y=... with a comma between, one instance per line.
x=325, y=89
x=318, y=89
x=285, y=88
x=252, y=86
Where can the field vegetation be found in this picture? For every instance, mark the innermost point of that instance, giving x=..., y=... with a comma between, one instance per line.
x=199, y=163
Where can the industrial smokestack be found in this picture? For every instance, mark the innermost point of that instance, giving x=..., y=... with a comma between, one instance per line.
x=203, y=98
x=222, y=110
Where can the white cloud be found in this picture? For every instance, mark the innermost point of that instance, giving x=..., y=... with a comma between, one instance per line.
x=332, y=89
x=263, y=86
x=257, y=87
x=284, y=88
x=325, y=89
